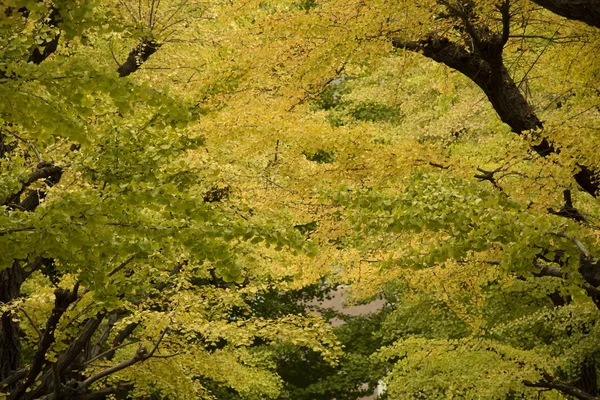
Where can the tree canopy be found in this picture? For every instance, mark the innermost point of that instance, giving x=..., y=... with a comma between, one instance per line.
x=179, y=179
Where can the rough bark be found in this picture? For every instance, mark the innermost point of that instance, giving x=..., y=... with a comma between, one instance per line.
x=587, y=11
x=588, y=382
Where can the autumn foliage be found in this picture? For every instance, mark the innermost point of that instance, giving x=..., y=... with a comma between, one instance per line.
x=179, y=180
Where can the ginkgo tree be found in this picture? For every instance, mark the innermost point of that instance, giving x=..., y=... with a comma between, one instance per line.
x=525, y=281
x=126, y=269
x=168, y=167
x=468, y=188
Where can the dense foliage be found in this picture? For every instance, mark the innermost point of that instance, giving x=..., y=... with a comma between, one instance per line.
x=179, y=179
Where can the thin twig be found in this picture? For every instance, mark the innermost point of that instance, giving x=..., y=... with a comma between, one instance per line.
x=121, y=266
x=128, y=9
x=112, y=53
x=537, y=59
x=37, y=330
x=576, y=241
x=183, y=3
x=162, y=335
x=167, y=355
x=35, y=150
x=14, y=230
x=99, y=356
x=151, y=15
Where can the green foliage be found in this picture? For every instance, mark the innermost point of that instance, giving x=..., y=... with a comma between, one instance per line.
x=167, y=216
x=320, y=156
x=375, y=112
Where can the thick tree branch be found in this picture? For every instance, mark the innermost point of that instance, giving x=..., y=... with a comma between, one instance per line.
x=494, y=80
x=505, y=12
x=100, y=394
x=128, y=330
x=587, y=11
x=485, y=67
x=46, y=171
x=15, y=377
x=48, y=46
x=548, y=270
x=65, y=362
x=97, y=347
x=563, y=387
x=568, y=211
x=138, y=56
x=96, y=395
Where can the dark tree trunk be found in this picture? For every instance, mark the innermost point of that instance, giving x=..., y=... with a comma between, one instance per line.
x=10, y=342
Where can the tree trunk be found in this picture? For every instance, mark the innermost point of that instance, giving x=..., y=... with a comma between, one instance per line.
x=10, y=342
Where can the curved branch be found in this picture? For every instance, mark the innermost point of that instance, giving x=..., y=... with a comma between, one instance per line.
x=487, y=70
x=44, y=171
x=561, y=387
x=587, y=11
x=140, y=355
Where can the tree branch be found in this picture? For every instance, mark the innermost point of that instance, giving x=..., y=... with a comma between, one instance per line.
x=63, y=298
x=28, y=142
x=33, y=324
x=66, y=360
x=121, y=266
x=575, y=241
x=563, y=387
x=138, y=56
x=485, y=67
x=505, y=12
x=140, y=355
x=112, y=318
x=547, y=270
x=56, y=380
x=48, y=46
x=109, y=351
x=45, y=170
x=587, y=11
